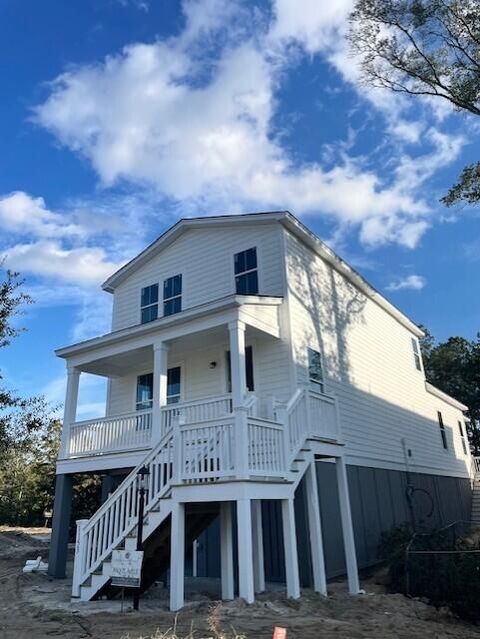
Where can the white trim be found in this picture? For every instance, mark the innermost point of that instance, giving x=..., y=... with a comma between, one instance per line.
x=433, y=390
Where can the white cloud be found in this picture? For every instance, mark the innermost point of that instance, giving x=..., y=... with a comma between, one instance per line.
x=199, y=129
x=84, y=266
x=22, y=214
x=411, y=282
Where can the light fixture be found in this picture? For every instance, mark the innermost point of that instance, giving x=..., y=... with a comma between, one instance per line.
x=213, y=365
x=142, y=475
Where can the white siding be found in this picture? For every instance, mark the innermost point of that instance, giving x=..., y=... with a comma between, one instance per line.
x=204, y=257
x=369, y=365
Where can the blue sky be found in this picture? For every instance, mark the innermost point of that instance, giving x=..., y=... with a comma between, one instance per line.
x=120, y=116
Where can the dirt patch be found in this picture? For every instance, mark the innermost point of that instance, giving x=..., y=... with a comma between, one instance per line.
x=34, y=606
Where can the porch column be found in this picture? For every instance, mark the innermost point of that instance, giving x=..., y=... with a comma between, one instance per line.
x=347, y=527
x=290, y=546
x=226, y=550
x=239, y=387
x=70, y=409
x=159, y=398
x=315, y=530
x=258, y=557
x=177, y=557
x=245, y=551
x=62, y=508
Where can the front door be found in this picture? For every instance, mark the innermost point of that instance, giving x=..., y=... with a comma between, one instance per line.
x=248, y=370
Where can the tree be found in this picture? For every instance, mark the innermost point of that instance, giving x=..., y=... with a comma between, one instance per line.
x=454, y=367
x=424, y=48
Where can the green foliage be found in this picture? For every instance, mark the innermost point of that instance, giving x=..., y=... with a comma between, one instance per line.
x=424, y=48
x=445, y=578
x=454, y=367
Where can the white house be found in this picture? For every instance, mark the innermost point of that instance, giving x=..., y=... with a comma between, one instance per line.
x=250, y=369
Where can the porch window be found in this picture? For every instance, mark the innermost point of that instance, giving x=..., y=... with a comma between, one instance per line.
x=172, y=295
x=149, y=303
x=248, y=370
x=246, y=272
x=462, y=437
x=173, y=385
x=315, y=370
x=416, y=354
x=144, y=398
x=442, y=430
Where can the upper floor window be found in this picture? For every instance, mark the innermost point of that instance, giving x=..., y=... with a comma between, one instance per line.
x=172, y=295
x=462, y=437
x=315, y=370
x=442, y=430
x=149, y=303
x=246, y=272
x=416, y=354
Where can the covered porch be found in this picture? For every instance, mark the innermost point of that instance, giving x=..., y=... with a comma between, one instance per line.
x=197, y=377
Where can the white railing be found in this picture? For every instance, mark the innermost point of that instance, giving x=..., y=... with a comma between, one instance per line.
x=297, y=419
x=192, y=412
x=109, y=434
x=266, y=455
x=208, y=451
x=119, y=514
x=311, y=414
x=323, y=416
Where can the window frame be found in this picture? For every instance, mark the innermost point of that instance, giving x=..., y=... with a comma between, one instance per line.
x=150, y=305
x=463, y=431
x=180, y=394
x=136, y=402
x=249, y=364
x=257, y=269
x=443, y=432
x=417, y=355
x=312, y=381
x=166, y=300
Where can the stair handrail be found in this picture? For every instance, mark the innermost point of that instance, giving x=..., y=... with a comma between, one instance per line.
x=88, y=553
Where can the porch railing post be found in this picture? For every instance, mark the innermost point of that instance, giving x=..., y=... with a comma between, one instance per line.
x=239, y=387
x=70, y=411
x=281, y=416
x=78, y=565
x=159, y=399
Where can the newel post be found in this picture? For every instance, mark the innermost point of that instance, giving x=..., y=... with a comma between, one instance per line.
x=70, y=410
x=239, y=388
x=80, y=548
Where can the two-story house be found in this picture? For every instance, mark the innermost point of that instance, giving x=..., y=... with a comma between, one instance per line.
x=272, y=396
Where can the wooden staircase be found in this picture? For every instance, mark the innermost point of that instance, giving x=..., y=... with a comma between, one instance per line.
x=277, y=451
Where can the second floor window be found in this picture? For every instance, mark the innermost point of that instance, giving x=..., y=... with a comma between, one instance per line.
x=172, y=295
x=149, y=304
x=442, y=430
x=315, y=370
x=416, y=354
x=246, y=272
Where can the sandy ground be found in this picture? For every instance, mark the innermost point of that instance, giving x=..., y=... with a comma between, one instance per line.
x=33, y=606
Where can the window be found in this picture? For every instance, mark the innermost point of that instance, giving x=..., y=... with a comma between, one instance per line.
x=149, y=303
x=442, y=430
x=315, y=370
x=246, y=273
x=173, y=385
x=462, y=437
x=248, y=370
x=416, y=354
x=172, y=295
x=144, y=399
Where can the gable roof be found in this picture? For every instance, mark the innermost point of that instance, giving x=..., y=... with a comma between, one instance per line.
x=286, y=219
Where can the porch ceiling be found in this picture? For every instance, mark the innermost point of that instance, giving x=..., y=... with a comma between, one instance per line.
x=142, y=358
x=112, y=353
